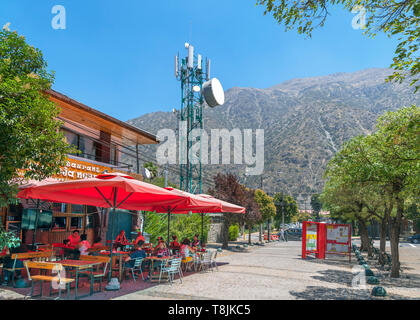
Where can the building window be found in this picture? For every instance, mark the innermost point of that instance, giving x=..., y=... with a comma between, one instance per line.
x=59, y=207
x=59, y=222
x=77, y=208
x=76, y=222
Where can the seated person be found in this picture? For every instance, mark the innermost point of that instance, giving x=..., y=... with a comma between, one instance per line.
x=74, y=239
x=139, y=238
x=84, y=245
x=97, y=243
x=159, y=239
x=8, y=263
x=195, y=243
x=121, y=240
x=138, y=253
x=174, y=243
x=161, y=250
x=186, y=251
x=63, y=250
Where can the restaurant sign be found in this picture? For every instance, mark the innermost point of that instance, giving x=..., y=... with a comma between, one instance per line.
x=77, y=170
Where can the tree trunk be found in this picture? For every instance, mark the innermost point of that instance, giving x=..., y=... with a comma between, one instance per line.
x=364, y=237
x=225, y=235
x=260, y=238
x=394, y=235
x=249, y=234
x=382, y=242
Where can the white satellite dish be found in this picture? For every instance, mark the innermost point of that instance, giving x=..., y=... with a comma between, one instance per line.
x=146, y=173
x=213, y=93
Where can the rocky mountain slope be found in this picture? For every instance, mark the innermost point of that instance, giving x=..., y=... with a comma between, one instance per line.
x=305, y=122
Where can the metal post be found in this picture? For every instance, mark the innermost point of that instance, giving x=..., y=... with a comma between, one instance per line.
x=166, y=175
x=169, y=224
x=202, y=229
x=36, y=225
x=112, y=232
x=137, y=158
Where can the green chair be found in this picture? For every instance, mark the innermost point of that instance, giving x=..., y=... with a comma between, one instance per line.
x=136, y=267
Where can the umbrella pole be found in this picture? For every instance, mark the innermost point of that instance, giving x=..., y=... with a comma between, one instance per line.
x=112, y=232
x=202, y=229
x=36, y=225
x=169, y=225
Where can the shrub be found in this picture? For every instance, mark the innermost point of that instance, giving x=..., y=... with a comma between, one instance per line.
x=233, y=232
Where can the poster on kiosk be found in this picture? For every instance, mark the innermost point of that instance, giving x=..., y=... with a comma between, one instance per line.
x=319, y=239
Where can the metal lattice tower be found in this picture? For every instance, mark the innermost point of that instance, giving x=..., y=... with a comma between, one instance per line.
x=190, y=73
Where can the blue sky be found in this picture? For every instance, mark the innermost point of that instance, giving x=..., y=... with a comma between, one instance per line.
x=117, y=56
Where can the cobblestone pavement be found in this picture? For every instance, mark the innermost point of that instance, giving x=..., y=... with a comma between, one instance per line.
x=275, y=271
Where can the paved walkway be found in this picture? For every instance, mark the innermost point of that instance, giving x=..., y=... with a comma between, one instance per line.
x=274, y=271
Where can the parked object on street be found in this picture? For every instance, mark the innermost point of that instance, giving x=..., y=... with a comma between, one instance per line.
x=414, y=239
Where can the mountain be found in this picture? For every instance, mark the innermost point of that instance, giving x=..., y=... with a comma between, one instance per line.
x=305, y=121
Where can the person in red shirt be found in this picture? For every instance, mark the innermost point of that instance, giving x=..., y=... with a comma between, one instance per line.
x=175, y=242
x=74, y=239
x=121, y=240
x=139, y=238
x=97, y=242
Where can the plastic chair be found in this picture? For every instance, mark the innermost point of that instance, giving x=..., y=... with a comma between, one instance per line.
x=206, y=262
x=137, y=267
x=213, y=262
x=173, y=268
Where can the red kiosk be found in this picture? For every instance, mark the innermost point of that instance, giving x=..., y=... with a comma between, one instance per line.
x=320, y=239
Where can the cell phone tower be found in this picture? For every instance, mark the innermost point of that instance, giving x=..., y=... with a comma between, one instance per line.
x=196, y=88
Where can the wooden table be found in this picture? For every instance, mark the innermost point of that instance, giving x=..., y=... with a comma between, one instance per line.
x=152, y=259
x=80, y=265
x=120, y=255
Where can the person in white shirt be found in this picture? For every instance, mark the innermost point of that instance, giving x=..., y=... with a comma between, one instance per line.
x=84, y=245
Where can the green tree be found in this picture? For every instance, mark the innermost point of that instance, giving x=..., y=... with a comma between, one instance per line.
x=285, y=205
x=266, y=205
x=394, y=18
x=389, y=160
x=316, y=205
x=31, y=144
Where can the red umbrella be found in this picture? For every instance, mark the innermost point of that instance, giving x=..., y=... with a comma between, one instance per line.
x=198, y=204
x=113, y=190
x=226, y=206
x=195, y=204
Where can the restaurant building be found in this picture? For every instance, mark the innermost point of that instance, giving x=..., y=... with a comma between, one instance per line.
x=106, y=145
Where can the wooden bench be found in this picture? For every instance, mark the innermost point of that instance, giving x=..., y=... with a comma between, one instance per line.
x=35, y=256
x=97, y=276
x=60, y=281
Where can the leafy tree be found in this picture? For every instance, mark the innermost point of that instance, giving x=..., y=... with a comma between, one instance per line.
x=285, y=205
x=266, y=205
x=8, y=239
x=228, y=188
x=346, y=203
x=31, y=145
x=252, y=214
x=183, y=226
x=389, y=161
x=316, y=205
x=301, y=216
x=394, y=18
